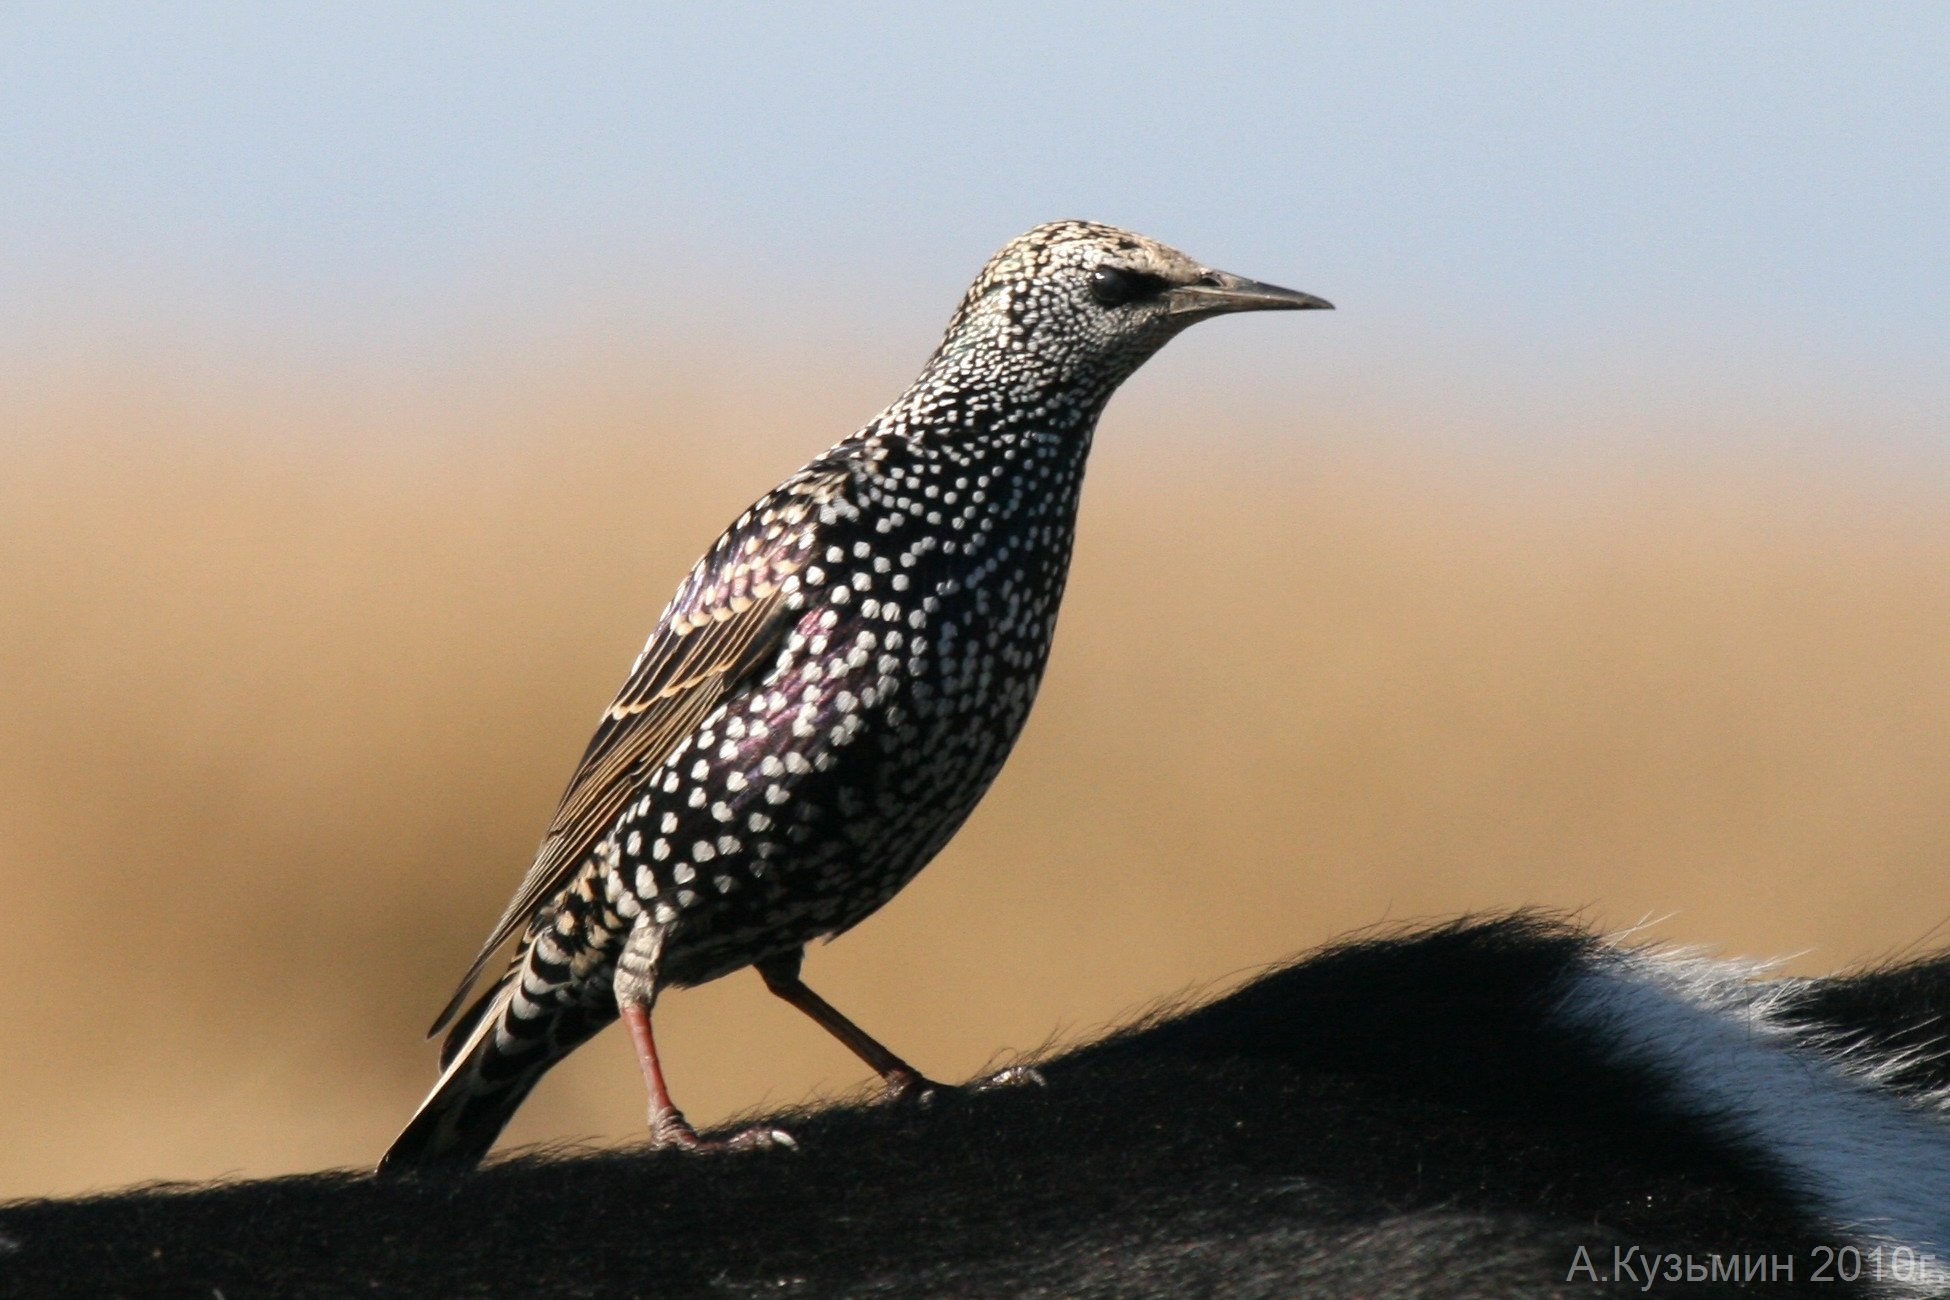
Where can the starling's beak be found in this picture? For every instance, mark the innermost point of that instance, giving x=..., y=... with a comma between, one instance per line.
x=1216, y=291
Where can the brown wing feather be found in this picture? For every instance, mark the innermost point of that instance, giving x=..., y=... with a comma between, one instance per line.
x=726, y=621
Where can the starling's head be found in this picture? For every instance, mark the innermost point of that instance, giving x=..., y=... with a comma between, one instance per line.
x=1080, y=301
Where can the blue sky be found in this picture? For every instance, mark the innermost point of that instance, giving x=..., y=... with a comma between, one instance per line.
x=1578, y=196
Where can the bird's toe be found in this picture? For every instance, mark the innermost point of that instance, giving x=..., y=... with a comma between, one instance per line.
x=759, y=1138
x=910, y=1088
x=1015, y=1076
x=675, y=1133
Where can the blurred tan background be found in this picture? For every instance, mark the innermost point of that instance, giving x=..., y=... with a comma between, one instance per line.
x=370, y=374
x=296, y=664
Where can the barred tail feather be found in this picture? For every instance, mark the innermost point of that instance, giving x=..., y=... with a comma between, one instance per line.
x=487, y=1074
x=465, y=1027
x=467, y=1108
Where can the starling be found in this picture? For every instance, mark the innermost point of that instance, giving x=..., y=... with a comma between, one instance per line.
x=829, y=693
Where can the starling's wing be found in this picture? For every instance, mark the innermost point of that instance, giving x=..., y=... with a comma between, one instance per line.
x=727, y=620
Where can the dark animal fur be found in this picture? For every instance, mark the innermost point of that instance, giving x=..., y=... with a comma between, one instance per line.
x=1394, y=1117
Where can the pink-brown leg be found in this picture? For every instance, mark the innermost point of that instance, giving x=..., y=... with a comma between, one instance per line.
x=903, y=1082
x=668, y=1127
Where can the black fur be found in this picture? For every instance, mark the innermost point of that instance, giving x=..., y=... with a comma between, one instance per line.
x=1395, y=1117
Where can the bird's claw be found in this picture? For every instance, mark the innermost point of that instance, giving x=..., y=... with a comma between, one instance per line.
x=913, y=1089
x=908, y=1088
x=674, y=1131
x=760, y=1138
x=1015, y=1076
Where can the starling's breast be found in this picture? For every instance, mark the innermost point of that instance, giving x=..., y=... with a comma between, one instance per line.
x=921, y=650
x=916, y=652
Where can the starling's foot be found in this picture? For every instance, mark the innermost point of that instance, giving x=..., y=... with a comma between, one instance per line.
x=1015, y=1076
x=910, y=1088
x=673, y=1130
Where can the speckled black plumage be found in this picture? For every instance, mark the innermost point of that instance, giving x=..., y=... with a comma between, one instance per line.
x=833, y=687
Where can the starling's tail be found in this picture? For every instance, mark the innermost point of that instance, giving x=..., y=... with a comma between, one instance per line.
x=491, y=1062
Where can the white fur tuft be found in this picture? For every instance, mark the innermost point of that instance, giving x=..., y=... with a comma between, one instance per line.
x=1871, y=1164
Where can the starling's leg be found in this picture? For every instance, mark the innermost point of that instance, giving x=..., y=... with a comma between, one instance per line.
x=904, y=1082
x=668, y=1127
x=635, y=986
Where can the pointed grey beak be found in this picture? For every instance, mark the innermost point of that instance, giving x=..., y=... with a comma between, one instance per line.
x=1216, y=292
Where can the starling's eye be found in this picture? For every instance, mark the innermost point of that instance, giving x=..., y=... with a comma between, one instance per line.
x=1113, y=286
